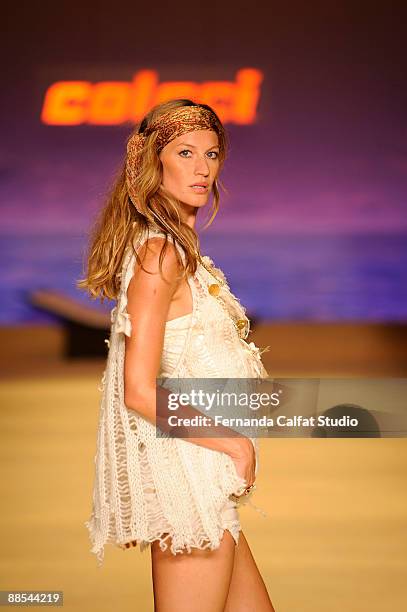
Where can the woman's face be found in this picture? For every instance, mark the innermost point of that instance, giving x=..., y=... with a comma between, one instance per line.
x=190, y=165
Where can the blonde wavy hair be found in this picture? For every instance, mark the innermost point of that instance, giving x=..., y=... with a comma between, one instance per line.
x=121, y=221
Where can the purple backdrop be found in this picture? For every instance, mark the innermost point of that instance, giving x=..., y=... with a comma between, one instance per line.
x=314, y=224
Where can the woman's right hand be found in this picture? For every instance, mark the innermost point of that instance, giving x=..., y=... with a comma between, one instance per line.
x=244, y=458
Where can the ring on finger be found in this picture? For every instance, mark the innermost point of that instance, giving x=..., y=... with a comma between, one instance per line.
x=248, y=489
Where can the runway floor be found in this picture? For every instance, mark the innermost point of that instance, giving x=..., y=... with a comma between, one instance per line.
x=335, y=537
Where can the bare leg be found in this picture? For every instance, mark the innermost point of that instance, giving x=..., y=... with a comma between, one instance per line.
x=196, y=582
x=247, y=591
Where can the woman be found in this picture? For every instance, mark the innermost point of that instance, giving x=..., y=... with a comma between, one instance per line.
x=175, y=318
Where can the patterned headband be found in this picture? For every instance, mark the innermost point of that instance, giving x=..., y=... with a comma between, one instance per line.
x=169, y=126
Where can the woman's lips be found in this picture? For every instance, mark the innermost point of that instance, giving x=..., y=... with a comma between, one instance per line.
x=200, y=188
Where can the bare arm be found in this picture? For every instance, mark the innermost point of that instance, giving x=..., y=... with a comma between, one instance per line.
x=149, y=298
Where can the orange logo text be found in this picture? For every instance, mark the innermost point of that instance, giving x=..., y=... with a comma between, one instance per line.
x=116, y=102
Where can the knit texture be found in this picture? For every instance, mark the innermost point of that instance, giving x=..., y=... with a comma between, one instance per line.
x=144, y=486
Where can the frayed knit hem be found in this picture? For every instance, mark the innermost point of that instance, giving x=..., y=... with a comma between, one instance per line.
x=164, y=540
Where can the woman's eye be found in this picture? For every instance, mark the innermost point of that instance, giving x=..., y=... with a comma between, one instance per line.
x=188, y=153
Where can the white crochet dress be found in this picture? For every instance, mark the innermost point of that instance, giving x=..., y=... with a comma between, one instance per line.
x=148, y=488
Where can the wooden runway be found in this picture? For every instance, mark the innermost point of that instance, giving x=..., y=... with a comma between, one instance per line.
x=335, y=537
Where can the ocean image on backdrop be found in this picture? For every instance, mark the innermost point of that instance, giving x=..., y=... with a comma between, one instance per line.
x=329, y=277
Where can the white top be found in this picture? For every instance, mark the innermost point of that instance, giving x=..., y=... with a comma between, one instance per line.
x=146, y=486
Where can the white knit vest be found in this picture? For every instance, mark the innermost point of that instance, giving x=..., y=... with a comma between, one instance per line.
x=146, y=486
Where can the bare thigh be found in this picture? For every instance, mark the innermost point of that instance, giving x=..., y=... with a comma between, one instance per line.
x=195, y=582
x=247, y=591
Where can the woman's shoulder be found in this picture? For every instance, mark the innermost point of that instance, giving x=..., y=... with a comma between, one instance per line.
x=151, y=239
x=146, y=247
